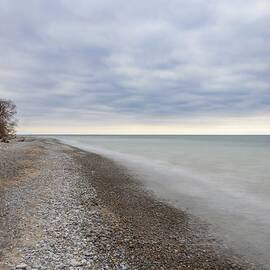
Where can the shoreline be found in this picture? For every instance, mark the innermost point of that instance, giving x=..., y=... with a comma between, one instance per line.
x=128, y=229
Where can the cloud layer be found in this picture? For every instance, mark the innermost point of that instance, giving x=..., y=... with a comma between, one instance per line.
x=135, y=63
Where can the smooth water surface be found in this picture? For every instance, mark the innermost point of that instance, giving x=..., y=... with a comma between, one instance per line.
x=223, y=179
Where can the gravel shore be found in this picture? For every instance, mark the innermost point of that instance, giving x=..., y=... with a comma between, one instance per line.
x=64, y=208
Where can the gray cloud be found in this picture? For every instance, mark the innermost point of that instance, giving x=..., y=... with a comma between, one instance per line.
x=135, y=61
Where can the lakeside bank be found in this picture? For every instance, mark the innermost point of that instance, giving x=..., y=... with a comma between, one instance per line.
x=64, y=208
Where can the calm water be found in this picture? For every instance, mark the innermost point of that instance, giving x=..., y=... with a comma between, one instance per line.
x=223, y=179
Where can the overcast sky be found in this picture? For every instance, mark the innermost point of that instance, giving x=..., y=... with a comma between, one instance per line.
x=155, y=66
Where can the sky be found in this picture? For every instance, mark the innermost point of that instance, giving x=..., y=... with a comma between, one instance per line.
x=137, y=67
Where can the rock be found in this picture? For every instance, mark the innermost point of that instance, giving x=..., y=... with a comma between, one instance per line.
x=75, y=263
x=88, y=253
x=21, y=266
x=22, y=139
x=124, y=266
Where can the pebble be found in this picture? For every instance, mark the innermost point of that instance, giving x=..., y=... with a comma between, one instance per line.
x=124, y=266
x=73, y=262
x=21, y=266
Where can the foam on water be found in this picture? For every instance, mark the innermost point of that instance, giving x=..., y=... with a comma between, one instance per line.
x=223, y=179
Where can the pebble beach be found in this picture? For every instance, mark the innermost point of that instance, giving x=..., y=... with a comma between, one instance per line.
x=64, y=208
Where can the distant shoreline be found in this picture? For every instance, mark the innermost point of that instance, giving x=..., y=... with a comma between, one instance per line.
x=83, y=134
x=127, y=220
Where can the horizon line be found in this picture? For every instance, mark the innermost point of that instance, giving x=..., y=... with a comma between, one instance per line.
x=141, y=134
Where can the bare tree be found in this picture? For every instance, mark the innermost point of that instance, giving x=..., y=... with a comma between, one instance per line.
x=7, y=118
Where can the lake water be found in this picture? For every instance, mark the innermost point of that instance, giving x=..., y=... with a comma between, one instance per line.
x=223, y=179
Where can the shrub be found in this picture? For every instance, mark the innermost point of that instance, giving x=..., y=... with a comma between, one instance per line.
x=7, y=118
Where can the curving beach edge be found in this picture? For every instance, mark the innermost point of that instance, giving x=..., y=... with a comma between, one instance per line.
x=65, y=208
